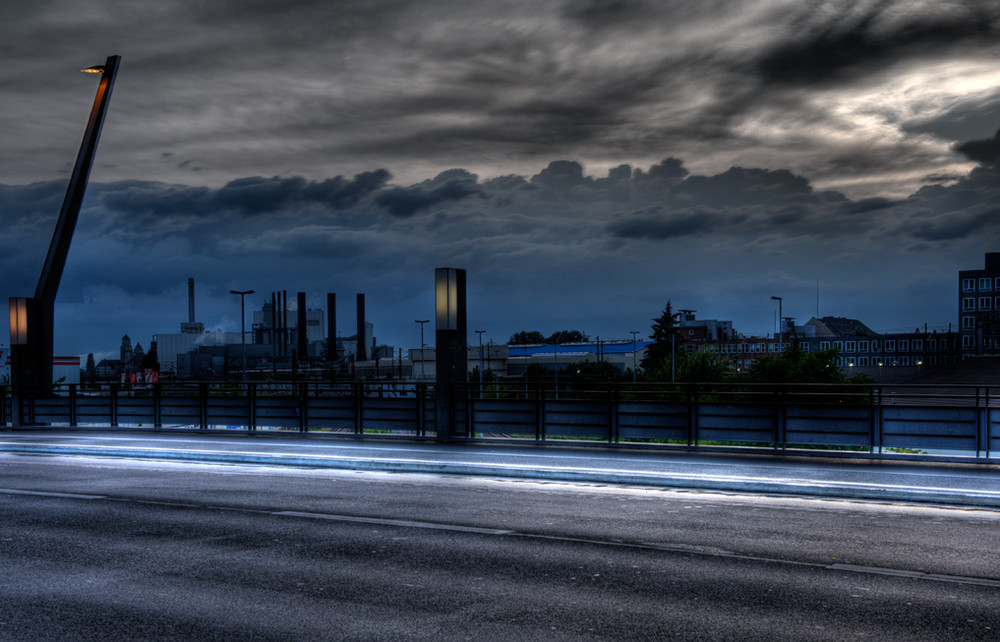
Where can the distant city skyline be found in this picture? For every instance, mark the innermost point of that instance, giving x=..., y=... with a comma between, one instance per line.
x=584, y=161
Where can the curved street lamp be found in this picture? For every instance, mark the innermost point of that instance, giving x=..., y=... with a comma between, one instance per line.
x=32, y=360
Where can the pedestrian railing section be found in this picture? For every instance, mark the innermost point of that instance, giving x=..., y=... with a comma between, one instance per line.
x=917, y=420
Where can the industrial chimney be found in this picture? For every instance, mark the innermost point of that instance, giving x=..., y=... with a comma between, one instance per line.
x=192, y=326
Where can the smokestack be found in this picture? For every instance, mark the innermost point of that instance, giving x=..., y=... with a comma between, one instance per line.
x=331, y=326
x=190, y=300
x=303, y=344
x=274, y=320
x=283, y=321
x=362, y=345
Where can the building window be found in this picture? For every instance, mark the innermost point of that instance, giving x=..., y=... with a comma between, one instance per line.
x=968, y=303
x=824, y=345
x=968, y=285
x=968, y=341
x=968, y=323
x=984, y=303
x=890, y=345
x=851, y=346
x=839, y=345
x=863, y=361
x=904, y=345
x=984, y=284
x=918, y=345
x=997, y=283
x=932, y=344
x=904, y=361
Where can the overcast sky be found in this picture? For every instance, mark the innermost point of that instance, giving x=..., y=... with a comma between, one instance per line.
x=585, y=161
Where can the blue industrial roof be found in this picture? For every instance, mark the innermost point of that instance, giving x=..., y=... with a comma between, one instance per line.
x=577, y=348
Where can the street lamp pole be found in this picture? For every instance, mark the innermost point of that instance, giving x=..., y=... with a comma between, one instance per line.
x=243, y=327
x=633, y=333
x=422, y=359
x=31, y=359
x=480, y=333
x=781, y=345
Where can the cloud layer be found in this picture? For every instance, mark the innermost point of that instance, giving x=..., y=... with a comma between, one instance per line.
x=558, y=248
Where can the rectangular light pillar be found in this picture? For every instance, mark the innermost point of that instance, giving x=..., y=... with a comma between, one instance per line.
x=451, y=347
x=26, y=356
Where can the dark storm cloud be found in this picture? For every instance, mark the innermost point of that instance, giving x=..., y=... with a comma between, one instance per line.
x=656, y=224
x=249, y=196
x=957, y=225
x=449, y=186
x=985, y=152
x=850, y=39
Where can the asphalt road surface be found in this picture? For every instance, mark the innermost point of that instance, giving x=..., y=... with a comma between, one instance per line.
x=94, y=549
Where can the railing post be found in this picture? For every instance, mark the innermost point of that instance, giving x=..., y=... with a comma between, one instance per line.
x=693, y=412
x=251, y=392
x=469, y=411
x=780, y=414
x=203, y=404
x=358, y=406
x=989, y=437
x=113, y=405
x=877, y=435
x=539, y=413
x=421, y=404
x=72, y=405
x=303, y=406
x=871, y=419
x=613, y=414
x=157, y=405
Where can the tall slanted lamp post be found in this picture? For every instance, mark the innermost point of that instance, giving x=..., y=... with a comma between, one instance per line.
x=451, y=347
x=32, y=319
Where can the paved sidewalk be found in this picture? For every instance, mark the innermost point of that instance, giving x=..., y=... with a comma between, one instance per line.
x=971, y=485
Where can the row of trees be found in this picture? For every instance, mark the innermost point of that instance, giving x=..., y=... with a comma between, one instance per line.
x=534, y=337
x=667, y=359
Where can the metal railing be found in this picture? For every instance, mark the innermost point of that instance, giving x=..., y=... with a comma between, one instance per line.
x=958, y=421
